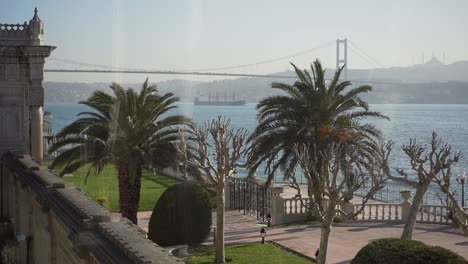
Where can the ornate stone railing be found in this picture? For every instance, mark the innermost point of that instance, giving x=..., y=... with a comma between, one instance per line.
x=294, y=206
x=14, y=33
x=379, y=212
x=290, y=210
x=5, y=28
x=61, y=224
x=433, y=214
x=22, y=34
x=286, y=210
x=390, y=212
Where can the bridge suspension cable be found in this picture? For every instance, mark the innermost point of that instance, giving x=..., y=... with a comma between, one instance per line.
x=270, y=60
x=212, y=71
x=74, y=62
x=354, y=51
x=375, y=62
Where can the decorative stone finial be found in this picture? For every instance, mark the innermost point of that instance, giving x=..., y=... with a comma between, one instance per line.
x=36, y=29
x=36, y=16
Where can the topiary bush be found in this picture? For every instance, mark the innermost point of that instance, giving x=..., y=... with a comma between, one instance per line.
x=393, y=250
x=182, y=215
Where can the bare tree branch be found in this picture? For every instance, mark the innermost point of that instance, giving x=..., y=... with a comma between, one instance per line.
x=430, y=163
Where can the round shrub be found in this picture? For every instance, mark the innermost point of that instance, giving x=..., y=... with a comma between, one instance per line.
x=393, y=250
x=181, y=216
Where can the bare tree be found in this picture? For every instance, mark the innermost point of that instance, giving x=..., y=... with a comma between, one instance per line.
x=427, y=161
x=218, y=151
x=330, y=184
x=457, y=213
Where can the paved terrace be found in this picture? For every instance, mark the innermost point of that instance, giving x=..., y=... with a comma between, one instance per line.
x=346, y=238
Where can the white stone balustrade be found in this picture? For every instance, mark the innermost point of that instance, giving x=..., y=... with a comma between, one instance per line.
x=379, y=212
x=286, y=210
x=433, y=214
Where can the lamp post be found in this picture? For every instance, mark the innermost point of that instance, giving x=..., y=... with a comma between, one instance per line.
x=269, y=219
x=263, y=234
x=461, y=179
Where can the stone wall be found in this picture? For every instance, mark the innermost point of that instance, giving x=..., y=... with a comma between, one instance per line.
x=57, y=223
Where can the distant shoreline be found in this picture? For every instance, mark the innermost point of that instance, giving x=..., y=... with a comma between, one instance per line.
x=187, y=102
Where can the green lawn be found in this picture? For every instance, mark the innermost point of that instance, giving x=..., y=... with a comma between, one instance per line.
x=105, y=185
x=251, y=253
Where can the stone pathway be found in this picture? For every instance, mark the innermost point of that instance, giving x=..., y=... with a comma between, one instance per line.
x=234, y=221
x=346, y=238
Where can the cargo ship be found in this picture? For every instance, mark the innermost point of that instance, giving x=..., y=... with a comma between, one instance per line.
x=216, y=100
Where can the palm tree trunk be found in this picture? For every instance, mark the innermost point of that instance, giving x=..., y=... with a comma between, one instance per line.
x=325, y=230
x=220, y=254
x=129, y=193
x=411, y=220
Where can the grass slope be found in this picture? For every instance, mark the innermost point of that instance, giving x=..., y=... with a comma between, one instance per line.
x=251, y=253
x=105, y=185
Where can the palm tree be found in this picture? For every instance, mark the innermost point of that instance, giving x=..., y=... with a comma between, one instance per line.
x=128, y=129
x=310, y=111
x=318, y=116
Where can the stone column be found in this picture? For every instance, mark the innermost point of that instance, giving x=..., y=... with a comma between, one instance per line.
x=348, y=208
x=36, y=116
x=277, y=207
x=405, y=205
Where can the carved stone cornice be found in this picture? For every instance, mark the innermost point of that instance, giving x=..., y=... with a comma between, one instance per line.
x=37, y=51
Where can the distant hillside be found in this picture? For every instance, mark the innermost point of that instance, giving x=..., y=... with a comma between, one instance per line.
x=429, y=83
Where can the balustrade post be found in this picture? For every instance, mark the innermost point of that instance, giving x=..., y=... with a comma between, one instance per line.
x=277, y=207
x=405, y=205
x=348, y=208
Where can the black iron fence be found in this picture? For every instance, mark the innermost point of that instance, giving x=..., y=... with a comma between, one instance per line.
x=250, y=196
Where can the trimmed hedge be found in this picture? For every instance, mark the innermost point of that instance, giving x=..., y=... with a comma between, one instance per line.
x=182, y=215
x=393, y=250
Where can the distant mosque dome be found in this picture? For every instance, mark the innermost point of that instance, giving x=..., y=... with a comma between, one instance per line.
x=434, y=62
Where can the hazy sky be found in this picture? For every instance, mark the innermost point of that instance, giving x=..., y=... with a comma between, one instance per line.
x=192, y=35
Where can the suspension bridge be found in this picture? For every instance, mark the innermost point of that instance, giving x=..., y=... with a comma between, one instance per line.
x=341, y=60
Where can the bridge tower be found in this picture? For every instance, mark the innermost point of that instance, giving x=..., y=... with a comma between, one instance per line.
x=342, y=61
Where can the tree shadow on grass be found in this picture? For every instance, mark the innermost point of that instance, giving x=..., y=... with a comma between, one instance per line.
x=241, y=246
x=160, y=180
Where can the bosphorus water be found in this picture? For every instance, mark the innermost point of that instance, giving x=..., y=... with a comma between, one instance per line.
x=407, y=121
